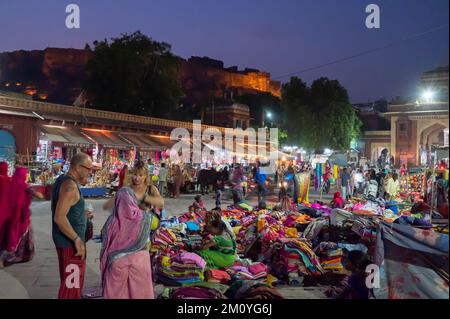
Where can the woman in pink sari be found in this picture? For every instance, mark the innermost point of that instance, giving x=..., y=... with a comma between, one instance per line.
x=124, y=258
x=18, y=238
x=4, y=193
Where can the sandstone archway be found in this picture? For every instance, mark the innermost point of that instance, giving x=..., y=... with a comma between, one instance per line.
x=431, y=135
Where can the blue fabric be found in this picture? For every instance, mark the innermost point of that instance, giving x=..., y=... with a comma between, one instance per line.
x=192, y=226
x=260, y=178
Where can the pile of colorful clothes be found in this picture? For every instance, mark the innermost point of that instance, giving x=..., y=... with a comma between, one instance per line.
x=255, y=271
x=292, y=258
x=181, y=268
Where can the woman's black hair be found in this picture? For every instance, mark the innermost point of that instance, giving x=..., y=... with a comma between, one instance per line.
x=219, y=224
x=197, y=198
x=358, y=260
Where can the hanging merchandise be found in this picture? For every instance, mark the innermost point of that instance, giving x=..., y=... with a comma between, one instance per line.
x=318, y=178
x=335, y=171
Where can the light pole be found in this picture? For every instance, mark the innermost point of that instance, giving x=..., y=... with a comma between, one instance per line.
x=269, y=116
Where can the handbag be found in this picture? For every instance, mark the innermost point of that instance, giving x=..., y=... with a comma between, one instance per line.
x=89, y=231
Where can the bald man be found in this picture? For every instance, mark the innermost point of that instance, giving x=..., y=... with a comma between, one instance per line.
x=69, y=226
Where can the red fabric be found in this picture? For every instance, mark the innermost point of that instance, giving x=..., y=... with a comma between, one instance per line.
x=326, y=175
x=338, y=202
x=66, y=257
x=122, y=176
x=19, y=209
x=4, y=193
x=216, y=275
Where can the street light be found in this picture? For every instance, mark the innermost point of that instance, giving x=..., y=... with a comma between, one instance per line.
x=428, y=95
x=269, y=115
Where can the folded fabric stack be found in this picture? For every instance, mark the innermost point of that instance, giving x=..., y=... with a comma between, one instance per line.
x=163, y=239
x=256, y=271
x=217, y=276
x=298, y=257
x=183, y=268
x=193, y=240
x=332, y=260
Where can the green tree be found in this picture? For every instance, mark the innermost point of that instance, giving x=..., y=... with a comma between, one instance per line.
x=133, y=74
x=319, y=117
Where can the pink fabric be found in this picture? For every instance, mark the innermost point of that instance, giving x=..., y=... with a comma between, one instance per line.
x=19, y=201
x=129, y=277
x=4, y=193
x=257, y=268
x=124, y=228
x=192, y=258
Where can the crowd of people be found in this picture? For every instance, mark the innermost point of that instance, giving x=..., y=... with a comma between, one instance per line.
x=136, y=210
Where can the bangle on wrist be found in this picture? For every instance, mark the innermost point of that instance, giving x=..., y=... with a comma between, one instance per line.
x=76, y=238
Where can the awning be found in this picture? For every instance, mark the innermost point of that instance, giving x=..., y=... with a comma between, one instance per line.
x=143, y=141
x=108, y=139
x=164, y=141
x=67, y=136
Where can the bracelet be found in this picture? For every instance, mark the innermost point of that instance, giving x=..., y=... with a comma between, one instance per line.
x=76, y=238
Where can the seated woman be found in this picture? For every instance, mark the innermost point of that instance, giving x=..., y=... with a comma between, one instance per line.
x=219, y=250
x=353, y=286
x=337, y=201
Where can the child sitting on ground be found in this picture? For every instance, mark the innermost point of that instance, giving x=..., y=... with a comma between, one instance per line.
x=354, y=285
x=338, y=201
x=197, y=205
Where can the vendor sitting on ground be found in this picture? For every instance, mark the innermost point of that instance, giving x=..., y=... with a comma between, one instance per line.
x=198, y=204
x=352, y=286
x=218, y=249
x=337, y=201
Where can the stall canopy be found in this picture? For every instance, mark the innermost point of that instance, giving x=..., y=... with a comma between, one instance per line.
x=143, y=141
x=67, y=136
x=164, y=141
x=413, y=263
x=108, y=139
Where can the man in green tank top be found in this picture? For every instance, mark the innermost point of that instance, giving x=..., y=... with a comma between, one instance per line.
x=69, y=226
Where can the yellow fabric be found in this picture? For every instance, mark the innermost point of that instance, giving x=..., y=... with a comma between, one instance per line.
x=292, y=232
x=335, y=171
x=261, y=224
x=165, y=261
x=237, y=229
x=393, y=187
x=446, y=174
x=304, y=183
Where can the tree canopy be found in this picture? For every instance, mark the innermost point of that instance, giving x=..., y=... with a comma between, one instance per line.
x=319, y=116
x=133, y=74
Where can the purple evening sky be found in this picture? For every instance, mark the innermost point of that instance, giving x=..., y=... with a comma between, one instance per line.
x=280, y=36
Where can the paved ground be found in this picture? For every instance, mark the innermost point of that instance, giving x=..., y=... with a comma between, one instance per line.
x=39, y=278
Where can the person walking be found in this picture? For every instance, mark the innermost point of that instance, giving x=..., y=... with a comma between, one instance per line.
x=177, y=181
x=69, y=223
x=345, y=184
x=162, y=179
